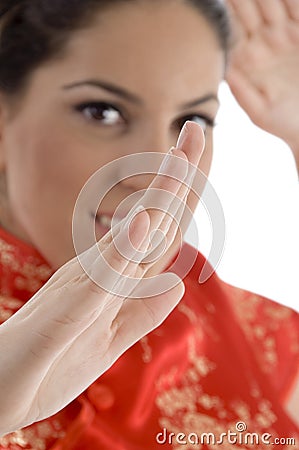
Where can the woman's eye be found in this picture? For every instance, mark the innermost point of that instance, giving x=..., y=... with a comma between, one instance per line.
x=202, y=120
x=101, y=112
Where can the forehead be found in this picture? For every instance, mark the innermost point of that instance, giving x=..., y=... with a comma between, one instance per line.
x=154, y=48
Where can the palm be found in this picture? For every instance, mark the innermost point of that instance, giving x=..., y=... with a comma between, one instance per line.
x=264, y=65
x=93, y=351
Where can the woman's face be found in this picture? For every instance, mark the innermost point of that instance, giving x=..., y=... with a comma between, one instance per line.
x=126, y=84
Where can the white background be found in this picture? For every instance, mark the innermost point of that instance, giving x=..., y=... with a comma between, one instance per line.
x=256, y=181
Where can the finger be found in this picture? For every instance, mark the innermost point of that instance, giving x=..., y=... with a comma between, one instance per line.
x=176, y=170
x=177, y=207
x=106, y=275
x=237, y=30
x=196, y=141
x=159, y=195
x=247, y=95
x=248, y=15
x=176, y=229
x=163, y=238
x=124, y=253
x=273, y=12
x=174, y=226
x=190, y=147
x=171, y=223
x=173, y=173
x=191, y=141
x=292, y=7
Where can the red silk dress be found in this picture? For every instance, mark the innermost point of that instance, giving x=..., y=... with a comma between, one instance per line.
x=222, y=357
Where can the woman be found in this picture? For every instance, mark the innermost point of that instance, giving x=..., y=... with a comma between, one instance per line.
x=99, y=83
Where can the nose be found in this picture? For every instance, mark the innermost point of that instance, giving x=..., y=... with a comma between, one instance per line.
x=153, y=143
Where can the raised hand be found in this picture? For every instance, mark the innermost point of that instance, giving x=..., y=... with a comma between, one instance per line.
x=263, y=71
x=73, y=329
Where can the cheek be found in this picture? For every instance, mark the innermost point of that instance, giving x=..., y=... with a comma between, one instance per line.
x=44, y=174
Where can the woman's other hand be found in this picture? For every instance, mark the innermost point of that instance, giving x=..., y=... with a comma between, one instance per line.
x=263, y=69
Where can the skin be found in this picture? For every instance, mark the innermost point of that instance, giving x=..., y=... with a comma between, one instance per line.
x=263, y=75
x=63, y=337
x=42, y=143
x=49, y=149
x=264, y=65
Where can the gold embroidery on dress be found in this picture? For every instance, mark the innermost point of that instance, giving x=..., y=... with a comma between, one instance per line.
x=8, y=305
x=182, y=406
x=202, y=327
x=34, y=437
x=31, y=276
x=146, y=350
x=247, y=309
x=188, y=312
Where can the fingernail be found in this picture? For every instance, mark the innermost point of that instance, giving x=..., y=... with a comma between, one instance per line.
x=182, y=136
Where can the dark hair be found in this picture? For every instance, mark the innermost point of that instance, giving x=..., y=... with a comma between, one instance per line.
x=34, y=31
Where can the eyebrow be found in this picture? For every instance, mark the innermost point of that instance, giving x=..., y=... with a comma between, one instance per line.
x=123, y=93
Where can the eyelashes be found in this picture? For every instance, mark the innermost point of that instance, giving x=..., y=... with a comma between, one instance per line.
x=106, y=114
x=204, y=121
x=102, y=112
